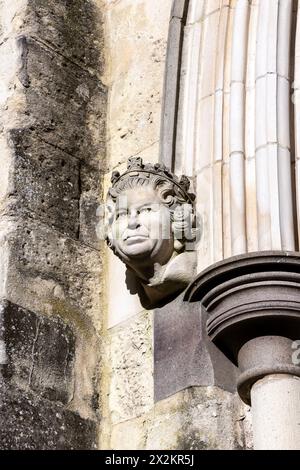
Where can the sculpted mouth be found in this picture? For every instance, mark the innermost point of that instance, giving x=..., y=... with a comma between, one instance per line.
x=135, y=239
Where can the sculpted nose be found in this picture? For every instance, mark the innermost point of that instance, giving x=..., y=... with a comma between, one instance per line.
x=133, y=220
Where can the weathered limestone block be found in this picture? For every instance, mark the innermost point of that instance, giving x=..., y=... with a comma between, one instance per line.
x=50, y=272
x=52, y=120
x=39, y=351
x=91, y=204
x=72, y=29
x=45, y=182
x=131, y=382
x=29, y=422
x=196, y=418
x=135, y=85
x=61, y=99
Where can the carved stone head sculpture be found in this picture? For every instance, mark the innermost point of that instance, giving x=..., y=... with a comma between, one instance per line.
x=151, y=227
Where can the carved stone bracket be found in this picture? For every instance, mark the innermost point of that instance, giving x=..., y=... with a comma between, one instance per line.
x=249, y=297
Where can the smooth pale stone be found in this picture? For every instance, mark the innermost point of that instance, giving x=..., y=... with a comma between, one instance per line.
x=272, y=34
x=237, y=202
x=185, y=142
x=218, y=126
x=208, y=57
x=121, y=304
x=262, y=39
x=275, y=411
x=228, y=51
x=271, y=108
x=204, y=133
x=204, y=209
x=219, y=79
x=226, y=127
x=273, y=176
x=286, y=199
x=219, y=85
x=284, y=37
x=217, y=212
x=283, y=116
x=296, y=83
x=240, y=37
x=135, y=85
x=261, y=113
x=297, y=171
x=237, y=117
x=251, y=208
x=296, y=101
x=250, y=123
x=196, y=11
x=212, y=5
x=263, y=199
x=226, y=210
x=252, y=37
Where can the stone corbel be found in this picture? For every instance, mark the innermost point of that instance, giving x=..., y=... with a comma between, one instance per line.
x=253, y=307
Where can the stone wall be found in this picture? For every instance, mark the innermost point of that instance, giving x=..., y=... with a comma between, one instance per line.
x=53, y=111
x=136, y=35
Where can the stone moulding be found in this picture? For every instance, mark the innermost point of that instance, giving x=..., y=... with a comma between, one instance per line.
x=251, y=296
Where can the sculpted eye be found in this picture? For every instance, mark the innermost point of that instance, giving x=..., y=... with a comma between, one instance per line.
x=146, y=209
x=120, y=214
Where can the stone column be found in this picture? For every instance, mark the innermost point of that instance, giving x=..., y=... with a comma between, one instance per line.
x=253, y=307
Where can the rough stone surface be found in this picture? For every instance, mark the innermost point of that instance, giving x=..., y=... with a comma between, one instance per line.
x=28, y=422
x=198, y=418
x=40, y=353
x=131, y=381
x=53, y=113
x=52, y=273
x=135, y=84
x=65, y=103
x=72, y=29
x=46, y=182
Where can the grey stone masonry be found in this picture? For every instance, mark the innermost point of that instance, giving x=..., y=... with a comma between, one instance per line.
x=52, y=122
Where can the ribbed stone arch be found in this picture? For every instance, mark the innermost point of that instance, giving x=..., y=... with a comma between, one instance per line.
x=231, y=120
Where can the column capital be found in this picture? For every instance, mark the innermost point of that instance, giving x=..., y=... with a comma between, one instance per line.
x=249, y=296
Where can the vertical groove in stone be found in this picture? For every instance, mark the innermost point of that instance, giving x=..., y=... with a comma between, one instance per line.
x=283, y=123
x=190, y=71
x=263, y=126
x=296, y=101
x=234, y=124
x=237, y=128
x=218, y=136
x=250, y=179
x=172, y=84
x=204, y=131
x=226, y=215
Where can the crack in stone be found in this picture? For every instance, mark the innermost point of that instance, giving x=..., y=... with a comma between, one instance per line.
x=38, y=323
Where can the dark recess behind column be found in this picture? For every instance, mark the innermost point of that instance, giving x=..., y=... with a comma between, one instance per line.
x=172, y=82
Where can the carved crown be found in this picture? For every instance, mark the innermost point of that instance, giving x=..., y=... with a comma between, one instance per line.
x=135, y=165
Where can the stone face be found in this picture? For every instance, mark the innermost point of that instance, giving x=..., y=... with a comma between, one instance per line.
x=161, y=265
